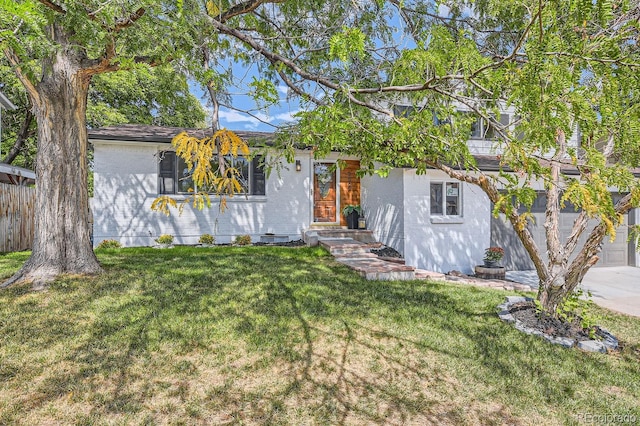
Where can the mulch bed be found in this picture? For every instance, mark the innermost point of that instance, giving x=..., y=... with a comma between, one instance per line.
x=296, y=243
x=529, y=316
x=386, y=252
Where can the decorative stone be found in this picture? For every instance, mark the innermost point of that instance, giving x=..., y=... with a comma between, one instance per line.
x=163, y=246
x=483, y=272
x=507, y=317
x=592, y=346
x=562, y=341
x=510, y=300
x=609, y=341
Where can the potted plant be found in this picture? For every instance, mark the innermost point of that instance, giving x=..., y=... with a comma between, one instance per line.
x=352, y=212
x=492, y=256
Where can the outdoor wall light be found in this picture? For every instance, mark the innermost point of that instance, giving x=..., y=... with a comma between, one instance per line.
x=298, y=166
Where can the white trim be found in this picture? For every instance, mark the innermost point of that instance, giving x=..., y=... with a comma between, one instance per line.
x=444, y=217
x=6, y=103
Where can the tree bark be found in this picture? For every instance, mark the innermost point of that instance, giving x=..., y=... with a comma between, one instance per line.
x=62, y=231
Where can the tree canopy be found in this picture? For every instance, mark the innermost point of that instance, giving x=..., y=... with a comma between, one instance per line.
x=567, y=71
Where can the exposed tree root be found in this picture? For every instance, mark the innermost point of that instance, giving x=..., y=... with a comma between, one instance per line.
x=40, y=277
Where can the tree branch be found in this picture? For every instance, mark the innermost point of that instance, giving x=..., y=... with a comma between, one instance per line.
x=552, y=215
x=241, y=9
x=53, y=6
x=23, y=134
x=517, y=221
x=298, y=90
x=17, y=69
x=121, y=24
x=275, y=59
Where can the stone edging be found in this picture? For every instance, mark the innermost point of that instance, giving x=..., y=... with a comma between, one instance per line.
x=608, y=344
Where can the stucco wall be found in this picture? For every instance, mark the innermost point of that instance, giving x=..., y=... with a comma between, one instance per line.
x=444, y=244
x=383, y=207
x=125, y=179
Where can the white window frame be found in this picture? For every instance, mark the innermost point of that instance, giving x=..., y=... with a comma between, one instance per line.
x=444, y=217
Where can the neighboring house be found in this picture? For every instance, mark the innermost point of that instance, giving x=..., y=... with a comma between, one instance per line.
x=436, y=222
x=15, y=175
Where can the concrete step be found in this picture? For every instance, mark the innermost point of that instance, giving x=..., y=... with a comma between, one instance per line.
x=344, y=246
x=376, y=269
x=423, y=274
x=312, y=235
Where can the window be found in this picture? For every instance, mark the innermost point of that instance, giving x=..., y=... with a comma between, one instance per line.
x=174, y=177
x=445, y=199
x=480, y=129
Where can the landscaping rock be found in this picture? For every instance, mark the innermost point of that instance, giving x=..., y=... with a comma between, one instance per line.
x=510, y=300
x=592, y=346
x=522, y=313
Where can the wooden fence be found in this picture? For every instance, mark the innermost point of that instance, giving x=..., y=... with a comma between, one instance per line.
x=17, y=204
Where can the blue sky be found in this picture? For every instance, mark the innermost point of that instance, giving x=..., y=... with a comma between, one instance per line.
x=260, y=119
x=276, y=115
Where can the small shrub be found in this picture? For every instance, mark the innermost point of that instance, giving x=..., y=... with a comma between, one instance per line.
x=109, y=244
x=165, y=239
x=243, y=240
x=207, y=239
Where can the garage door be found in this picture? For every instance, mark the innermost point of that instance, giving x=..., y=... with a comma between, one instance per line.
x=516, y=258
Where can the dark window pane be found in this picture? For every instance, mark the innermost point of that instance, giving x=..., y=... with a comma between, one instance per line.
x=436, y=198
x=258, y=180
x=453, y=199
x=403, y=110
x=185, y=182
x=476, y=129
x=241, y=164
x=167, y=173
x=491, y=132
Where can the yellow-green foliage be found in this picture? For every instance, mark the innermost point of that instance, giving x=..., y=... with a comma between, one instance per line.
x=109, y=244
x=206, y=239
x=164, y=239
x=243, y=240
x=212, y=173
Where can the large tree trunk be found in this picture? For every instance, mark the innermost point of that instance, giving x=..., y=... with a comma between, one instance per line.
x=62, y=232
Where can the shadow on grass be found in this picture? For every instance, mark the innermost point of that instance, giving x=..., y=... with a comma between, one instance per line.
x=284, y=336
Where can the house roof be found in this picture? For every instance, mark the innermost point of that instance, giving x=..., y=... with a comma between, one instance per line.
x=162, y=134
x=16, y=175
x=5, y=102
x=491, y=163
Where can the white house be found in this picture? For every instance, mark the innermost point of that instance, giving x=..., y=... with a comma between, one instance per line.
x=436, y=222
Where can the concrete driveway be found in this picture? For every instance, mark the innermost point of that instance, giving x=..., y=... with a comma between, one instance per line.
x=616, y=288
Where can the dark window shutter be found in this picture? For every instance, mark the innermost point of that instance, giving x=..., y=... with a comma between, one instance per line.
x=258, y=178
x=167, y=173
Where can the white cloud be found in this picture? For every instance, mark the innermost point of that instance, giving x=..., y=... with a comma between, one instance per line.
x=283, y=89
x=287, y=116
x=230, y=116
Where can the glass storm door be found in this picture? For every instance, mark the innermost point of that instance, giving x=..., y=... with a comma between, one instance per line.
x=324, y=193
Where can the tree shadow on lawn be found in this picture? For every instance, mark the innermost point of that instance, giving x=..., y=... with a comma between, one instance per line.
x=306, y=340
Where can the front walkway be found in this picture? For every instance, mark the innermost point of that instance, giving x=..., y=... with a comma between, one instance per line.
x=616, y=288
x=357, y=255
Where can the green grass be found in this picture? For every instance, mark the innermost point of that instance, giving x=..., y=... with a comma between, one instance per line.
x=262, y=335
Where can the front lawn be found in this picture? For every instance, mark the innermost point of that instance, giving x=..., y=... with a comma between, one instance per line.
x=263, y=335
